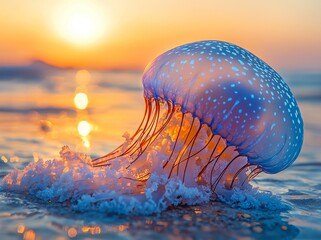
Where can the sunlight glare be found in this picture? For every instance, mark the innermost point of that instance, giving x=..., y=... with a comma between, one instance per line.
x=81, y=101
x=84, y=128
x=85, y=142
x=80, y=22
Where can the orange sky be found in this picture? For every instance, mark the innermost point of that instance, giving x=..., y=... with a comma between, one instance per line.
x=286, y=34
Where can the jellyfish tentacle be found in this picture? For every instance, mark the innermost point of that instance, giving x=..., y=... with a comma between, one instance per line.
x=197, y=152
x=147, y=138
x=178, y=134
x=254, y=172
x=170, y=107
x=155, y=133
x=144, y=175
x=184, y=148
x=142, y=122
x=194, y=154
x=178, y=161
x=216, y=158
x=134, y=179
x=257, y=172
x=149, y=129
x=152, y=130
x=209, y=159
x=146, y=127
x=169, y=116
x=190, y=150
x=238, y=172
x=110, y=156
x=224, y=170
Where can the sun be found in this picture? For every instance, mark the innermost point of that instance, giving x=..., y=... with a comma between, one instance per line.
x=80, y=22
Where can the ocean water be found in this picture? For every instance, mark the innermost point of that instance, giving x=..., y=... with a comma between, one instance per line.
x=38, y=117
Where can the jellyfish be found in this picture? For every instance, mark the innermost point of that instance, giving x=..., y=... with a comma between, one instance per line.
x=215, y=115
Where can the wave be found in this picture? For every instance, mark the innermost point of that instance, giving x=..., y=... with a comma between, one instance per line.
x=36, y=71
x=41, y=110
x=71, y=179
x=309, y=97
x=124, y=86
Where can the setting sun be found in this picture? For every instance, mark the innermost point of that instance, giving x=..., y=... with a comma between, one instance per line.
x=80, y=22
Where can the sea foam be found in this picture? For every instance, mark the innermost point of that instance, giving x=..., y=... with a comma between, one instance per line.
x=71, y=179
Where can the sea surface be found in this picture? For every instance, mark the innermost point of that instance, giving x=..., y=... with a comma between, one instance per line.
x=38, y=117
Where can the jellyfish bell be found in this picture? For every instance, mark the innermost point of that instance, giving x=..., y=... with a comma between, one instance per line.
x=216, y=115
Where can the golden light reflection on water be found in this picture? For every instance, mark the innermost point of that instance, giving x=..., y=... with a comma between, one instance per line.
x=84, y=128
x=14, y=159
x=35, y=157
x=27, y=234
x=85, y=142
x=91, y=229
x=123, y=227
x=56, y=121
x=81, y=100
x=21, y=228
x=72, y=232
x=4, y=159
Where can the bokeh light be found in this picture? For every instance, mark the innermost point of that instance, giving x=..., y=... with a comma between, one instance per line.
x=82, y=77
x=72, y=232
x=81, y=101
x=84, y=128
x=21, y=228
x=29, y=235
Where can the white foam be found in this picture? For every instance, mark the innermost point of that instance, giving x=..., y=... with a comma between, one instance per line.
x=72, y=179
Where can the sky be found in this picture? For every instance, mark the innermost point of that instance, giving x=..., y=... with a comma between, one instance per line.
x=127, y=34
